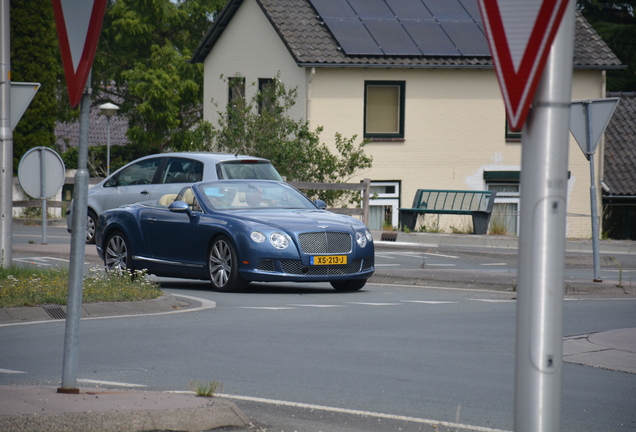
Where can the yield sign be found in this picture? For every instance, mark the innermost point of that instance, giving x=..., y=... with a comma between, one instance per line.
x=520, y=34
x=588, y=120
x=79, y=23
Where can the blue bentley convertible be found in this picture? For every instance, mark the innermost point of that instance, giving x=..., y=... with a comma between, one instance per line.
x=233, y=232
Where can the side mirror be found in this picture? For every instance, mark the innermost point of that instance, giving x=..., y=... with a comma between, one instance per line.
x=320, y=204
x=180, y=207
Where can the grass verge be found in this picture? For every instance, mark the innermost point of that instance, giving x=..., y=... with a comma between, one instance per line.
x=30, y=286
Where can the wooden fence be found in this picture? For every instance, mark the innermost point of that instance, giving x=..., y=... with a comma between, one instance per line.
x=363, y=212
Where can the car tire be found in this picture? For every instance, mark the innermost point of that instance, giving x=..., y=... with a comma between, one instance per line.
x=223, y=266
x=91, y=225
x=117, y=256
x=348, y=285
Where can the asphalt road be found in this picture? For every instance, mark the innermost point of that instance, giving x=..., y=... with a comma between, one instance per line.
x=406, y=357
x=434, y=260
x=307, y=358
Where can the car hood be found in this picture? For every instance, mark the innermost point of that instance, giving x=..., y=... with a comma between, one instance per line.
x=301, y=220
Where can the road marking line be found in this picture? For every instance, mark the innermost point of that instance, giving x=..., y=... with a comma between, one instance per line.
x=429, y=302
x=492, y=301
x=375, y=304
x=265, y=308
x=113, y=383
x=360, y=413
x=440, y=255
x=440, y=265
x=318, y=305
x=494, y=264
x=9, y=371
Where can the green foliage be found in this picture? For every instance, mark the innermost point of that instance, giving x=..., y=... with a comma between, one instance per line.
x=119, y=156
x=206, y=389
x=141, y=64
x=615, y=22
x=294, y=149
x=29, y=286
x=35, y=58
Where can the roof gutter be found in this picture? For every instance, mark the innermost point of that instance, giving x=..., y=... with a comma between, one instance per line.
x=430, y=66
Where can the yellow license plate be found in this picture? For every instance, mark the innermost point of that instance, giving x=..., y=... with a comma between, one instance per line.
x=328, y=260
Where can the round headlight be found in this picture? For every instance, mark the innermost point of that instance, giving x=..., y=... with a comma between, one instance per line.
x=361, y=239
x=258, y=237
x=279, y=240
x=369, y=235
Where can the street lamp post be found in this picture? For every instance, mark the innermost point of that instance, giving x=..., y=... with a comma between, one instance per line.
x=109, y=110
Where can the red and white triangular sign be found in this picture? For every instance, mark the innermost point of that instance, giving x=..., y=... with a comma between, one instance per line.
x=520, y=34
x=79, y=23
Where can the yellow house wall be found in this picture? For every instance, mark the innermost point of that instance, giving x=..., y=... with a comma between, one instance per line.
x=454, y=131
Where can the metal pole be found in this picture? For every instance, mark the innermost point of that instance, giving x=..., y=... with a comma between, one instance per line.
x=42, y=153
x=78, y=243
x=544, y=169
x=108, y=147
x=6, y=140
x=590, y=156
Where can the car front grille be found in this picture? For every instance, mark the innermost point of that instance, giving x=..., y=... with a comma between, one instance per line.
x=266, y=265
x=297, y=268
x=325, y=242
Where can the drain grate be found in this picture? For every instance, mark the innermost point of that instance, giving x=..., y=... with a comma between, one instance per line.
x=55, y=312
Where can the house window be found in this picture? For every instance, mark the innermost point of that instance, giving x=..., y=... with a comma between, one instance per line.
x=384, y=109
x=383, y=210
x=236, y=91
x=236, y=98
x=505, y=211
x=510, y=135
x=265, y=88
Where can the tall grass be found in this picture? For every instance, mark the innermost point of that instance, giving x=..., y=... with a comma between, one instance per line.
x=30, y=286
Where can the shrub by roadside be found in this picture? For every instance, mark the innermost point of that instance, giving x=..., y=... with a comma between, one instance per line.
x=29, y=286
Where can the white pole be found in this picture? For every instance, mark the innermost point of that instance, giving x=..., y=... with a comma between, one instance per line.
x=544, y=176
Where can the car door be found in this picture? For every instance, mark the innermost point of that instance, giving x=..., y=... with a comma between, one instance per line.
x=132, y=184
x=176, y=174
x=172, y=236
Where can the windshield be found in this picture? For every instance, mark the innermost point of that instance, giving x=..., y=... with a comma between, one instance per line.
x=253, y=195
x=247, y=169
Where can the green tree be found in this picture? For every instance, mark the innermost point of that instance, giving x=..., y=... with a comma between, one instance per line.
x=141, y=65
x=615, y=22
x=35, y=58
x=263, y=127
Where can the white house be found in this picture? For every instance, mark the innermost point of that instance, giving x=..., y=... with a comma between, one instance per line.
x=414, y=77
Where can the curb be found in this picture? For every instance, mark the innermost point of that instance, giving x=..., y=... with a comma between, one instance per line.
x=165, y=303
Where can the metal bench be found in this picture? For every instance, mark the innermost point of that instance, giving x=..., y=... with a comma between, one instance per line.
x=427, y=201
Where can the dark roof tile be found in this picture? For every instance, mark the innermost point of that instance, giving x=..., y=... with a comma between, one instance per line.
x=620, y=147
x=311, y=43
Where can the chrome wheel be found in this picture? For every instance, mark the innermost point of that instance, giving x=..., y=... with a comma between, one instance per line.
x=223, y=266
x=117, y=253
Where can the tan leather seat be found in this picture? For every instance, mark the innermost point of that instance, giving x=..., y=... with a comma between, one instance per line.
x=188, y=197
x=167, y=199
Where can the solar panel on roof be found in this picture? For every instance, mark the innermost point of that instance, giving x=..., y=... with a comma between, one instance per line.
x=468, y=38
x=430, y=38
x=405, y=27
x=353, y=37
x=472, y=8
x=372, y=9
x=447, y=10
x=333, y=9
x=409, y=10
x=392, y=38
